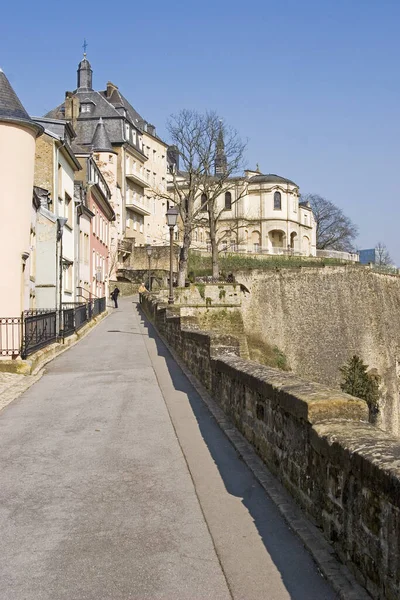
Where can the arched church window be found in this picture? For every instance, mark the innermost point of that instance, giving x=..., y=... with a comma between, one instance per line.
x=277, y=201
x=228, y=201
x=203, y=201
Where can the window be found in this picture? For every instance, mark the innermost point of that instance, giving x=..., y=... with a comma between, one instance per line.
x=176, y=235
x=228, y=201
x=305, y=220
x=126, y=131
x=203, y=201
x=277, y=201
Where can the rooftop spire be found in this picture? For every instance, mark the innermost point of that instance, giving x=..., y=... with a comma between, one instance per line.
x=85, y=72
x=220, y=156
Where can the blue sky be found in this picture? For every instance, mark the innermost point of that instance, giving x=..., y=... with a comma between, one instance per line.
x=313, y=86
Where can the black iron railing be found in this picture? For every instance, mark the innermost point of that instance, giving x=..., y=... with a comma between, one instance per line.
x=77, y=314
x=67, y=321
x=39, y=330
x=96, y=307
x=10, y=336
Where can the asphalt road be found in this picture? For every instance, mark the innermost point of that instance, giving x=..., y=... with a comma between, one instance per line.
x=116, y=483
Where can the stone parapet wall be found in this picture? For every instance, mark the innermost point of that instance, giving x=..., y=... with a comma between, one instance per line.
x=320, y=317
x=343, y=471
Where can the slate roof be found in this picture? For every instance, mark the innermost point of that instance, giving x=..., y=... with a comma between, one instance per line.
x=101, y=141
x=11, y=108
x=270, y=178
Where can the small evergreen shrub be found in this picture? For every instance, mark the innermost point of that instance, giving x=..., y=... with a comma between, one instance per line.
x=360, y=383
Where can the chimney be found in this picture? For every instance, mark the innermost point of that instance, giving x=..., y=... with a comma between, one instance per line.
x=71, y=108
x=151, y=129
x=111, y=88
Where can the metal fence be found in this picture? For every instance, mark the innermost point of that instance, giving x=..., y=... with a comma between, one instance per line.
x=10, y=336
x=77, y=314
x=38, y=328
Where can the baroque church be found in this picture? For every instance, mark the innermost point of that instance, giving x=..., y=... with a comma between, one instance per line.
x=260, y=213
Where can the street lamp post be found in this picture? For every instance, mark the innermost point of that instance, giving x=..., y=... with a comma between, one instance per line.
x=61, y=221
x=149, y=250
x=172, y=218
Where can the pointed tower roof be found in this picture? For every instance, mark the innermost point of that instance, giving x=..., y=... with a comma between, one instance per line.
x=101, y=141
x=221, y=162
x=11, y=109
x=85, y=74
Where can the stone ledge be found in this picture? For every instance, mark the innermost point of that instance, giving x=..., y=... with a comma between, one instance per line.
x=37, y=360
x=309, y=401
x=373, y=453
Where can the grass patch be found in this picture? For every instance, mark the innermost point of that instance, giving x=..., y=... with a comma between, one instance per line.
x=201, y=266
x=265, y=354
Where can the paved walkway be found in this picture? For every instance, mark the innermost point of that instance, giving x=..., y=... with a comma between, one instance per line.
x=116, y=483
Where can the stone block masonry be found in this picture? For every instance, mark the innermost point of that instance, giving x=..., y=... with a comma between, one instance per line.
x=343, y=471
x=321, y=317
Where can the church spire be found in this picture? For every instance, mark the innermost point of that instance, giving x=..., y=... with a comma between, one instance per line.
x=220, y=156
x=85, y=72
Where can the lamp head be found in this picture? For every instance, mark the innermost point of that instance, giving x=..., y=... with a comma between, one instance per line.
x=149, y=250
x=172, y=216
x=61, y=221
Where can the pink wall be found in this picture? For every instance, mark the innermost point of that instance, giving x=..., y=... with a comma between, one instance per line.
x=99, y=247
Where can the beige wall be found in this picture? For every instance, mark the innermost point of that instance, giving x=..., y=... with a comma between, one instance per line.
x=17, y=154
x=156, y=231
x=44, y=164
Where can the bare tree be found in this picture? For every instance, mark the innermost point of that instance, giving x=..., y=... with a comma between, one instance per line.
x=206, y=175
x=383, y=257
x=335, y=231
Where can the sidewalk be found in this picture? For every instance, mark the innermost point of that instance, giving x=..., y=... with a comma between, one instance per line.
x=116, y=483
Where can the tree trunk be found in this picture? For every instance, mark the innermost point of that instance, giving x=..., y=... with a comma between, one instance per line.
x=183, y=258
x=214, y=243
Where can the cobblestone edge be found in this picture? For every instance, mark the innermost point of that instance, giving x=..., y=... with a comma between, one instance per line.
x=336, y=573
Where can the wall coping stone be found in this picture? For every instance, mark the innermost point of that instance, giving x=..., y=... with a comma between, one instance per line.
x=309, y=401
x=374, y=454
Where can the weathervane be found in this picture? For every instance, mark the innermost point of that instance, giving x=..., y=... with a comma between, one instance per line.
x=84, y=46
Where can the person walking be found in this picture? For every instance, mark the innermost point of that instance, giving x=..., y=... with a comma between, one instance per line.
x=114, y=296
x=142, y=290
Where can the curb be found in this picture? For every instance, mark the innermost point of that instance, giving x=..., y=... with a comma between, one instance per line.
x=336, y=573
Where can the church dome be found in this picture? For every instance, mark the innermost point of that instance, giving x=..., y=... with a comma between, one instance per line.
x=270, y=178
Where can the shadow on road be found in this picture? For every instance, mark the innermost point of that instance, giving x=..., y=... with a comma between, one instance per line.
x=280, y=542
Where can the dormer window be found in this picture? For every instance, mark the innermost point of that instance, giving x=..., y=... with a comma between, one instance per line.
x=126, y=131
x=86, y=107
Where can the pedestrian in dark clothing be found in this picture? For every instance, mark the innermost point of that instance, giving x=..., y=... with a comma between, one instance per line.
x=114, y=296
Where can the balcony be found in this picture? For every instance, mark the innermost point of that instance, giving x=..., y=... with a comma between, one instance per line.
x=136, y=177
x=138, y=205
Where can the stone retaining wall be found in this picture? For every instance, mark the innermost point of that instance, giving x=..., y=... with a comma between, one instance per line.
x=344, y=472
